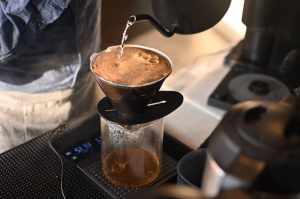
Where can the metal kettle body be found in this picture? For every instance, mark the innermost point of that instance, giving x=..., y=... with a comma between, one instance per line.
x=185, y=16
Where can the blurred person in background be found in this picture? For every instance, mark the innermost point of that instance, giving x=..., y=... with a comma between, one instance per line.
x=45, y=47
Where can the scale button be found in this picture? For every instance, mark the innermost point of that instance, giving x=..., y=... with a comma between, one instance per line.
x=69, y=153
x=74, y=157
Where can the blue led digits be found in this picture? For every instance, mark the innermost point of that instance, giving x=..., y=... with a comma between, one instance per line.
x=87, y=146
x=83, y=148
x=78, y=152
x=98, y=140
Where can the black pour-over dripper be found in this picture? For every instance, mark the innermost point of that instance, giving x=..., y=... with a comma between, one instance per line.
x=127, y=100
x=131, y=100
x=161, y=105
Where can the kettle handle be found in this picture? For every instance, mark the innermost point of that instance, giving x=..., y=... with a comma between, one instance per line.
x=166, y=32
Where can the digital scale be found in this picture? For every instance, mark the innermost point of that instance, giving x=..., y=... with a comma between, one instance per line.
x=82, y=148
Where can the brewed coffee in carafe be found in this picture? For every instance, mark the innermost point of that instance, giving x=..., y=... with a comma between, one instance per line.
x=131, y=154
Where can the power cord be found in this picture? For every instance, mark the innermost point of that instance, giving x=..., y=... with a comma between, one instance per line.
x=58, y=131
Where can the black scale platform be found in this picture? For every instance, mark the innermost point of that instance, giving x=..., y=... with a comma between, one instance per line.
x=92, y=170
x=32, y=170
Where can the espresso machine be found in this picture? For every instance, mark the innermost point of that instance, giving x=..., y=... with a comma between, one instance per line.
x=264, y=64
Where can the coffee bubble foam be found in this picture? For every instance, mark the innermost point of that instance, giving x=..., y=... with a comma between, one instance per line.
x=137, y=66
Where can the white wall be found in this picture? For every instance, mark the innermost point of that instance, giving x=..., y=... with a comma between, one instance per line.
x=233, y=17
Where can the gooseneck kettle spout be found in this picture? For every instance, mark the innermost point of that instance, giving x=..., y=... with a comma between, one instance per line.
x=163, y=30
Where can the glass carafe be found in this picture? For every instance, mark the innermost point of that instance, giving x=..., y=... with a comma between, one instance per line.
x=131, y=154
